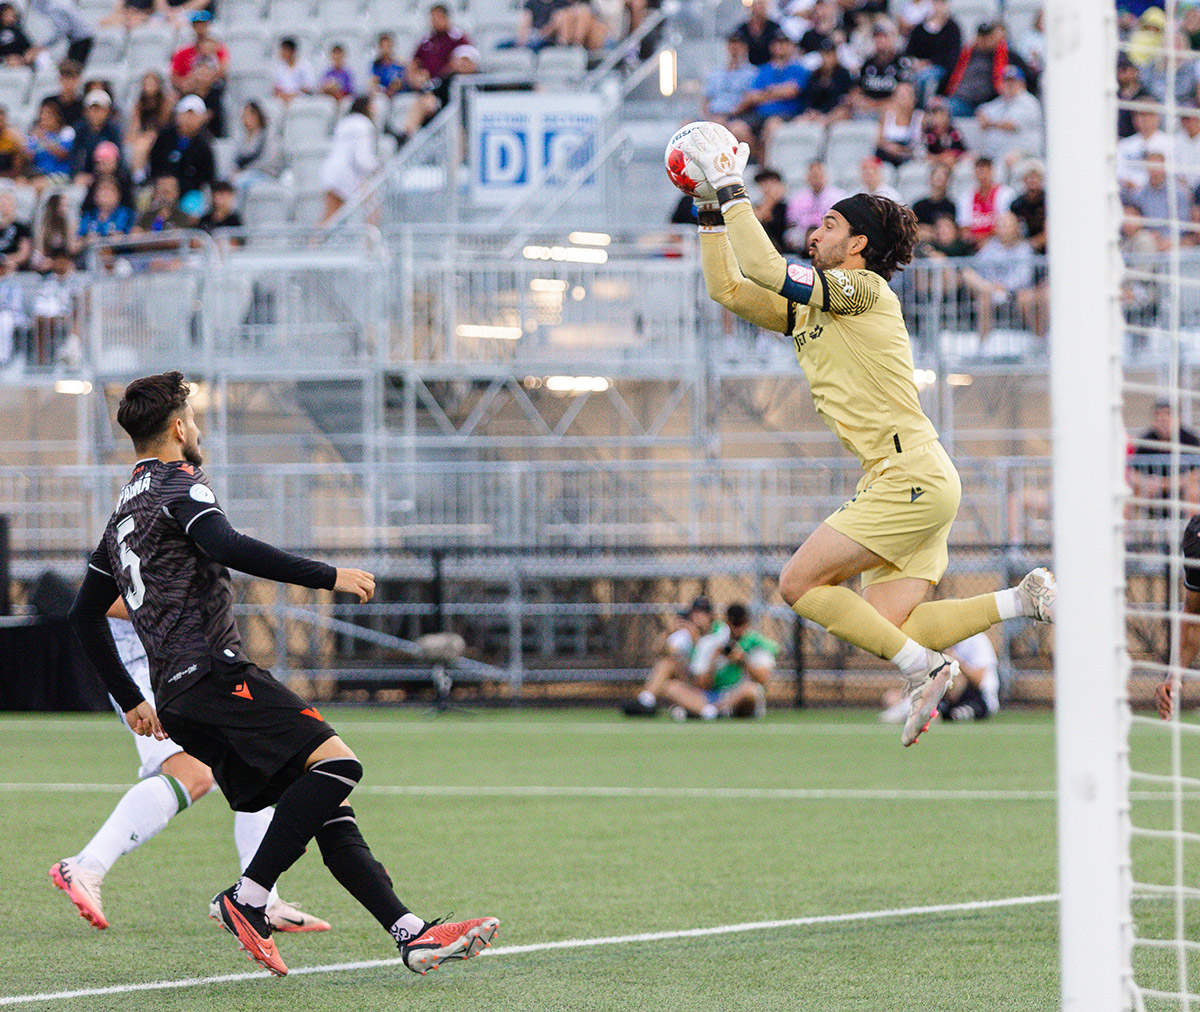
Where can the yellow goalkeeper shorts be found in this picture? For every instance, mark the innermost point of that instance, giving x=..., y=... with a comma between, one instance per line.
x=902, y=511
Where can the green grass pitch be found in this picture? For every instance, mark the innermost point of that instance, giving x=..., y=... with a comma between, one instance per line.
x=579, y=864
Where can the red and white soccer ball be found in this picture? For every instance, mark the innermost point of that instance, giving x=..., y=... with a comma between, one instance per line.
x=683, y=172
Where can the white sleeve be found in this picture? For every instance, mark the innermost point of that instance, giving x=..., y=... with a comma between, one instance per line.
x=706, y=649
x=680, y=642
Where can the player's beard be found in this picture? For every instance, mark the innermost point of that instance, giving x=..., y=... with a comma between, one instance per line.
x=825, y=257
x=192, y=454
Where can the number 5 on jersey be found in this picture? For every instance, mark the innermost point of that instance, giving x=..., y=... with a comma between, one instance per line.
x=132, y=565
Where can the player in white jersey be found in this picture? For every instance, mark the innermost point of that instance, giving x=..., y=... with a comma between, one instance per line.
x=169, y=781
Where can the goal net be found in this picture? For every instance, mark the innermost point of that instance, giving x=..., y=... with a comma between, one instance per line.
x=1124, y=167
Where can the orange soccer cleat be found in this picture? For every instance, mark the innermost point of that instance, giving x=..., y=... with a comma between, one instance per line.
x=439, y=942
x=249, y=926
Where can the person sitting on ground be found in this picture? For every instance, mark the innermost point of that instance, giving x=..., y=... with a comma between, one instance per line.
x=974, y=696
x=293, y=76
x=337, y=81
x=687, y=629
x=731, y=681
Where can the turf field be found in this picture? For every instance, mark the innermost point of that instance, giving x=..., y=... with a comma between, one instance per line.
x=587, y=828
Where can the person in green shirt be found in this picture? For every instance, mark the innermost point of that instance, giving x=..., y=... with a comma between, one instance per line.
x=688, y=629
x=730, y=680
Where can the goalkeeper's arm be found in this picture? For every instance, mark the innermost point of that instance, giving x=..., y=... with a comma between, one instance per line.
x=725, y=283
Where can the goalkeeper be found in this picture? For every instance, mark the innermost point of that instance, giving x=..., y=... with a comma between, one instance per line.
x=853, y=346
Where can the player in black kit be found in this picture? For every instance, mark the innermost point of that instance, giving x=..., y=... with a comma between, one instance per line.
x=165, y=551
x=1190, y=633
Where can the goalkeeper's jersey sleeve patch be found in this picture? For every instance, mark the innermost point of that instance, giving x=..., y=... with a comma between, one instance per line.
x=798, y=283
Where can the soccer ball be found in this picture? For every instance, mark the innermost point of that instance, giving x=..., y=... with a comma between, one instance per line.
x=683, y=172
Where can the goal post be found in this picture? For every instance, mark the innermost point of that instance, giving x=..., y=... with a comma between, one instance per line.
x=1091, y=664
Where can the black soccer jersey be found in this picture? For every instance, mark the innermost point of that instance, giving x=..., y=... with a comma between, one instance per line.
x=1191, y=554
x=180, y=600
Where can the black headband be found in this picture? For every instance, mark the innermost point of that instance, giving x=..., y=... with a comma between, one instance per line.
x=860, y=214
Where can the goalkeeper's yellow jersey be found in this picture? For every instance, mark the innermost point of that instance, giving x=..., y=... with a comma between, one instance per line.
x=850, y=339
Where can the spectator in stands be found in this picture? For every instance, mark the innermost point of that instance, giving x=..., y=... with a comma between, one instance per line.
x=201, y=69
x=771, y=208
x=932, y=50
x=56, y=311
x=824, y=24
x=182, y=150
x=16, y=242
x=899, y=136
x=872, y=181
x=1147, y=40
x=1129, y=89
x=536, y=26
x=1002, y=274
x=256, y=155
x=69, y=25
x=14, y=155
x=50, y=143
x=387, y=74
x=937, y=203
x=53, y=232
x=577, y=23
x=774, y=97
x=1180, y=70
x=911, y=13
x=979, y=208
x=1150, y=470
x=1132, y=151
x=976, y=77
x=16, y=49
x=1031, y=48
x=223, y=214
x=98, y=125
x=464, y=59
x=759, y=31
x=1189, y=23
x=686, y=631
x=1158, y=203
x=731, y=680
x=726, y=86
x=811, y=203
x=1187, y=146
x=110, y=216
x=1030, y=204
x=293, y=76
x=947, y=241
x=70, y=92
x=163, y=214
x=336, y=81
x=151, y=111
x=826, y=95
x=351, y=160
x=879, y=75
x=1011, y=125
x=107, y=164
x=432, y=68
x=129, y=14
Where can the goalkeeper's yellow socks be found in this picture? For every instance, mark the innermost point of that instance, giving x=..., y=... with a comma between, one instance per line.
x=851, y=618
x=941, y=624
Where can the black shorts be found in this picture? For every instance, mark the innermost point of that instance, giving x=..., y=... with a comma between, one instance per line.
x=253, y=731
x=1191, y=554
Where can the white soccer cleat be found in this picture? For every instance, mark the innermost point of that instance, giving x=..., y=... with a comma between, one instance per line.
x=82, y=888
x=284, y=916
x=1038, y=591
x=924, y=693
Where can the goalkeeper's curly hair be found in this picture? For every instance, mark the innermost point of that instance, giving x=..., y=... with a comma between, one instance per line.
x=899, y=227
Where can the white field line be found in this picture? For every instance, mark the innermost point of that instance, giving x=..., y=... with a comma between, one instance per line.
x=586, y=791
x=627, y=727
x=570, y=943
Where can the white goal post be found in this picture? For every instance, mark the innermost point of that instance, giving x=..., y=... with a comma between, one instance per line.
x=1091, y=663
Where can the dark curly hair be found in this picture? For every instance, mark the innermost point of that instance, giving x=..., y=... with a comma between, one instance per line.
x=899, y=227
x=149, y=405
